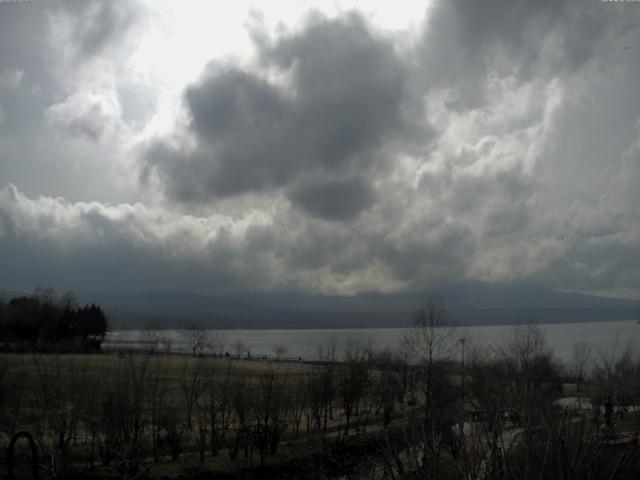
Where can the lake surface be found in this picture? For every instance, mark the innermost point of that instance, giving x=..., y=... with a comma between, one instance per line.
x=303, y=343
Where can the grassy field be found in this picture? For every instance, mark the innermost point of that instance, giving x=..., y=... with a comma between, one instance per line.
x=129, y=412
x=133, y=415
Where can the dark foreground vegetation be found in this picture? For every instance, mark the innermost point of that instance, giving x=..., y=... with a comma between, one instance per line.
x=441, y=407
x=46, y=322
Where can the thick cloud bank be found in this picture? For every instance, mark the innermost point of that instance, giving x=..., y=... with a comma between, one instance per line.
x=498, y=142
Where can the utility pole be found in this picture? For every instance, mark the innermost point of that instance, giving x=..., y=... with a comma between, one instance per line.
x=462, y=341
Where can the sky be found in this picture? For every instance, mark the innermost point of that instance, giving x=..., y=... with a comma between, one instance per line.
x=324, y=147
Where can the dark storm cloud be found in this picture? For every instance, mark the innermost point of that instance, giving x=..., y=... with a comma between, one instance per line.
x=240, y=122
x=488, y=189
x=333, y=199
x=344, y=102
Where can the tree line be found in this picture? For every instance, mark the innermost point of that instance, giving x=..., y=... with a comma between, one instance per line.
x=45, y=321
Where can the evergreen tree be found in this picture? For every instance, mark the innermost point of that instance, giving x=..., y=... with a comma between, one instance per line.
x=43, y=320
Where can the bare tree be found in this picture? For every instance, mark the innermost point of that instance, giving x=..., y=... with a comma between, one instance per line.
x=218, y=342
x=580, y=358
x=431, y=341
x=530, y=365
x=239, y=348
x=354, y=381
x=616, y=372
x=191, y=386
x=60, y=413
x=151, y=338
x=242, y=404
x=122, y=421
x=157, y=396
x=298, y=402
x=167, y=343
x=195, y=337
x=216, y=404
x=279, y=350
x=387, y=384
x=270, y=411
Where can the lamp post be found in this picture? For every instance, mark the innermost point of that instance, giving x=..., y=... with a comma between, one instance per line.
x=462, y=341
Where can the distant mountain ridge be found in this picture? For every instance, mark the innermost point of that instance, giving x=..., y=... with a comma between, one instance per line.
x=467, y=304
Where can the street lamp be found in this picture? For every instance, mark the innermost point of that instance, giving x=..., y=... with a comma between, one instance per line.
x=462, y=341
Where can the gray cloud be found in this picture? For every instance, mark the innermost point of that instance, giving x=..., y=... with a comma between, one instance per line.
x=333, y=199
x=493, y=177
x=63, y=99
x=93, y=246
x=344, y=102
x=94, y=26
x=469, y=44
x=499, y=144
x=88, y=116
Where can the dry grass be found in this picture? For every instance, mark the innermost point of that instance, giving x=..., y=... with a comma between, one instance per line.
x=29, y=369
x=36, y=389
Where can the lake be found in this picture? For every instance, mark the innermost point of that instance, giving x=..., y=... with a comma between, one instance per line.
x=304, y=343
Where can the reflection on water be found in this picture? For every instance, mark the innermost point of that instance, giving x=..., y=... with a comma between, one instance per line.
x=302, y=343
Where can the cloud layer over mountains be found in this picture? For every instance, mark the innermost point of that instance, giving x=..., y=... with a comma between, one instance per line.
x=493, y=141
